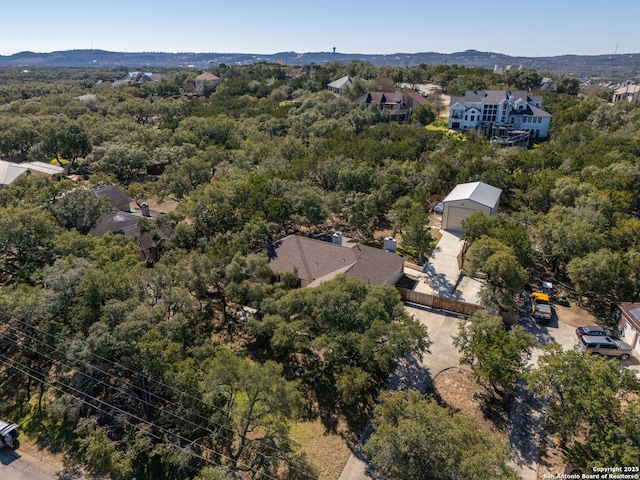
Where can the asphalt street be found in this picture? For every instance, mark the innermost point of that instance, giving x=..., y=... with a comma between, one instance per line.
x=20, y=465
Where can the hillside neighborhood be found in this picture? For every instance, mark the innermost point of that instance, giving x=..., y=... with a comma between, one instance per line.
x=319, y=271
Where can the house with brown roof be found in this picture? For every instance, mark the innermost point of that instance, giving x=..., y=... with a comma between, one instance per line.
x=628, y=315
x=398, y=104
x=317, y=261
x=206, y=77
x=127, y=225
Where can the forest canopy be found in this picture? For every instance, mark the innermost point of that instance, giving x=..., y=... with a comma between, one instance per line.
x=194, y=362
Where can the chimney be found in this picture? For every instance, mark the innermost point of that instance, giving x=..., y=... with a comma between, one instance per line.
x=145, y=210
x=390, y=244
x=336, y=238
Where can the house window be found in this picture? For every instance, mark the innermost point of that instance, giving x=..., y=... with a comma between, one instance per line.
x=489, y=113
x=466, y=117
x=473, y=118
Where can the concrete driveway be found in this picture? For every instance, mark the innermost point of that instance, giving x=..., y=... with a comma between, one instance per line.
x=416, y=373
x=441, y=274
x=526, y=428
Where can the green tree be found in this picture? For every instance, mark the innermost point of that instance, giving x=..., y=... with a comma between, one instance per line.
x=506, y=276
x=568, y=85
x=523, y=78
x=119, y=159
x=62, y=139
x=560, y=234
x=418, y=234
x=414, y=438
x=18, y=136
x=604, y=277
x=584, y=395
x=350, y=336
x=258, y=406
x=498, y=357
x=423, y=114
x=26, y=240
x=80, y=209
x=99, y=452
x=75, y=143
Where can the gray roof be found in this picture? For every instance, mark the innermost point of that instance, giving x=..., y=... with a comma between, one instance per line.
x=531, y=110
x=341, y=82
x=632, y=312
x=116, y=222
x=316, y=261
x=478, y=192
x=115, y=195
x=494, y=96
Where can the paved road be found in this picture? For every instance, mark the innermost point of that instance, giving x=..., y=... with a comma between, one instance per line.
x=20, y=465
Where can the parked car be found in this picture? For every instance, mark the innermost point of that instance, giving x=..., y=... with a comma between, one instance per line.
x=601, y=345
x=8, y=435
x=596, y=331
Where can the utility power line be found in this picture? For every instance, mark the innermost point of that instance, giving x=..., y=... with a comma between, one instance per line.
x=291, y=465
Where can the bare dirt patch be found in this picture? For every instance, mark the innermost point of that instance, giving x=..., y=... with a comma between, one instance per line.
x=458, y=389
x=328, y=452
x=166, y=206
x=575, y=315
x=552, y=461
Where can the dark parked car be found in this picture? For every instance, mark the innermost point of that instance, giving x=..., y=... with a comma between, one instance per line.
x=596, y=331
x=8, y=435
x=599, y=345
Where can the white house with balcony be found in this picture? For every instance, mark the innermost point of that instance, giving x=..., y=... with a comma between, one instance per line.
x=484, y=109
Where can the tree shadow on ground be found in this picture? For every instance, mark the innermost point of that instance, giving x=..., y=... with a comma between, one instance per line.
x=526, y=426
x=540, y=331
x=495, y=409
x=440, y=284
x=409, y=374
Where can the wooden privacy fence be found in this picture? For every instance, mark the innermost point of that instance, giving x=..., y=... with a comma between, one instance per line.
x=440, y=303
x=450, y=305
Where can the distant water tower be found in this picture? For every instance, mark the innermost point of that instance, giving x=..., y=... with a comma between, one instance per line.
x=334, y=49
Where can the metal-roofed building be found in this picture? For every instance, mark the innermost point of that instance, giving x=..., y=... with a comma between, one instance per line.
x=338, y=86
x=9, y=171
x=466, y=199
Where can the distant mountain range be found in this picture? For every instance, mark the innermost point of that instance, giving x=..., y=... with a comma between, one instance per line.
x=620, y=66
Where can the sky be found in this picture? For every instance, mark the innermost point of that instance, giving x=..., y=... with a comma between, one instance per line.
x=532, y=29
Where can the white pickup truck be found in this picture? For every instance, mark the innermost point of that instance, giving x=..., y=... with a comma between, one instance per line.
x=541, y=307
x=8, y=435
